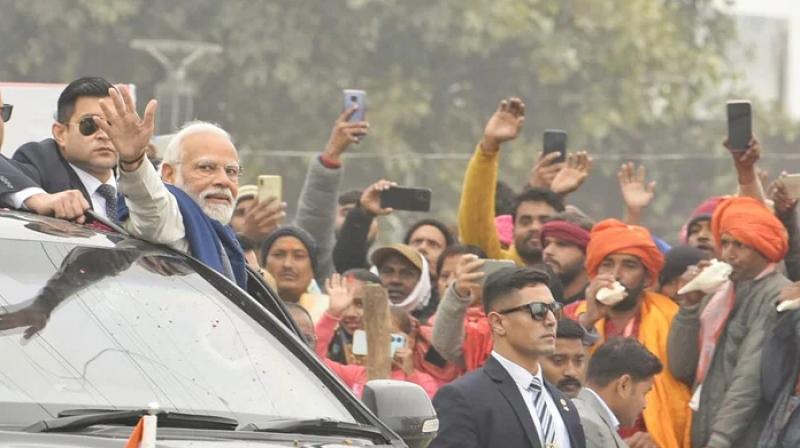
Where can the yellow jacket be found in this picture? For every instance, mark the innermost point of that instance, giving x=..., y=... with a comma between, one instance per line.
x=476, y=210
x=667, y=413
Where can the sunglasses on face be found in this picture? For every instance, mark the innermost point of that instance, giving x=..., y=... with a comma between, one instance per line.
x=87, y=126
x=5, y=112
x=538, y=310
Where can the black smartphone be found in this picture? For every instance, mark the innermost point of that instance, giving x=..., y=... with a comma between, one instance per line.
x=740, y=124
x=407, y=198
x=555, y=140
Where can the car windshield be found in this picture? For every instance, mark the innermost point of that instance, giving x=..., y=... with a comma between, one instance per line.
x=130, y=325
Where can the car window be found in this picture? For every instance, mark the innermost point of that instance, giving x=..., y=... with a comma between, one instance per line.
x=124, y=327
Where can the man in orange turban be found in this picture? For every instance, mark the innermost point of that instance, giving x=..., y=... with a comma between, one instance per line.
x=622, y=253
x=715, y=341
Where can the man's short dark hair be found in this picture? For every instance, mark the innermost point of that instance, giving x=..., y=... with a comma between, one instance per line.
x=349, y=197
x=621, y=356
x=569, y=329
x=90, y=86
x=363, y=275
x=458, y=249
x=537, y=195
x=449, y=240
x=507, y=281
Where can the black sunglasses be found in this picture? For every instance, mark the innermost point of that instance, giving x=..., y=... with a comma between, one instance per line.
x=5, y=111
x=538, y=310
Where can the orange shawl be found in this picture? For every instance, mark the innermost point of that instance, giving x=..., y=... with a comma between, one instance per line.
x=667, y=412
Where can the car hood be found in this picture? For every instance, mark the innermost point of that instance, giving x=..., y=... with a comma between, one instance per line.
x=9, y=439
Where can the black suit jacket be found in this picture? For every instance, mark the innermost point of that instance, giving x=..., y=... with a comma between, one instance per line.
x=485, y=409
x=12, y=179
x=42, y=161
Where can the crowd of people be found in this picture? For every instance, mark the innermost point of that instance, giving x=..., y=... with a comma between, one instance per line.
x=534, y=354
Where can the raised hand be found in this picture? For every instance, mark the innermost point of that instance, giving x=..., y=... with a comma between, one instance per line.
x=344, y=134
x=69, y=204
x=468, y=276
x=784, y=203
x=404, y=359
x=340, y=292
x=544, y=171
x=262, y=218
x=635, y=192
x=745, y=160
x=129, y=133
x=573, y=174
x=371, y=198
x=504, y=125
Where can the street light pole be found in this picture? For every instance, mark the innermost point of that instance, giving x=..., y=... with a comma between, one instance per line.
x=176, y=93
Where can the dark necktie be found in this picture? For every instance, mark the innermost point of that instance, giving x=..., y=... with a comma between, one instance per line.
x=109, y=193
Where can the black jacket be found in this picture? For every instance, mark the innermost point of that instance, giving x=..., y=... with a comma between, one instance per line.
x=485, y=409
x=12, y=179
x=43, y=163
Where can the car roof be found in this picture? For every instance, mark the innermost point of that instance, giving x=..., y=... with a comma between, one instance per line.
x=19, y=225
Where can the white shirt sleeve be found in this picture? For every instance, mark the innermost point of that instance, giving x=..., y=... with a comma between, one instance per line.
x=17, y=200
x=154, y=213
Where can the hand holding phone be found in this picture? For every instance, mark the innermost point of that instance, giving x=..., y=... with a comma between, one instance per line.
x=406, y=198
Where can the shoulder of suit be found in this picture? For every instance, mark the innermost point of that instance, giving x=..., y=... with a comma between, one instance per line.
x=30, y=148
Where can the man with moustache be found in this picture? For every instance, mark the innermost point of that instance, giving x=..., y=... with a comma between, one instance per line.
x=533, y=206
x=507, y=403
x=566, y=367
x=201, y=166
x=564, y=239
x=716, y=340
x=405, y=274
x=627, y=254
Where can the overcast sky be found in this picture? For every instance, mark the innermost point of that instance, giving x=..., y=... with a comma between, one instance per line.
x=789, y=9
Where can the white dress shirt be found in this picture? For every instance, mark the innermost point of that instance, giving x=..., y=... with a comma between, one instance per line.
x=91, y=184
x=523, y=379
x=612, y=418
x=17, y=200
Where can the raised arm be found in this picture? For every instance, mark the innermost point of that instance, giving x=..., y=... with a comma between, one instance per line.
x=316, y=207
x=476, y=210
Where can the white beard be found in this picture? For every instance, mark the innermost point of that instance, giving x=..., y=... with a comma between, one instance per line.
x=221, y=212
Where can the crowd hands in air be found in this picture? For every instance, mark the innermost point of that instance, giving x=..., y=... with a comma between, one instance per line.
x=594, y=333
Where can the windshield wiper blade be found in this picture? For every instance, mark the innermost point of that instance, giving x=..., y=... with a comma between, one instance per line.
x=317, y=426
x=78, y=419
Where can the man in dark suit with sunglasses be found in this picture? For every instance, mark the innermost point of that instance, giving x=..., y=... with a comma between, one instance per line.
x=507, y=402
x=80, y=156
x=17, y=190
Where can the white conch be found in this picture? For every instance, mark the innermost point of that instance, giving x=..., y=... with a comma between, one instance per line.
x=711, y=278
x=613, y=295
x=788, y=305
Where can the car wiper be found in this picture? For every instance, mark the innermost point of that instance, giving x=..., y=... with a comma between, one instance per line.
x=318, y=426
x=78, y=419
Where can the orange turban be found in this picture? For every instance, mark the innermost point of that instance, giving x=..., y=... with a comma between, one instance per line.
x=752, y=224
x=615, y=237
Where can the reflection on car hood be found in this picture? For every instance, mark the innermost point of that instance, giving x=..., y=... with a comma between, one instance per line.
x=27, y=227
x=25, y=440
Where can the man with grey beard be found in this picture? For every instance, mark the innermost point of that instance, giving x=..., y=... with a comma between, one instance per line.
x=191, y=209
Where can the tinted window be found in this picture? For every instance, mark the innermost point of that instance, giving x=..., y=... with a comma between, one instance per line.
x=123, y=327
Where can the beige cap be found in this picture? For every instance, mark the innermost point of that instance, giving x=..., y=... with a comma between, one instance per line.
x=247, y=191
x=405, y=251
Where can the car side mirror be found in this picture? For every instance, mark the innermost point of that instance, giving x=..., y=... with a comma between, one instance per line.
x=405, y=408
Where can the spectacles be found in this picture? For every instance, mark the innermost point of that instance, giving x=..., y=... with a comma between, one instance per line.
x=5, y=111
x=207, y=169
x=87, y=125
x=538, y=310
